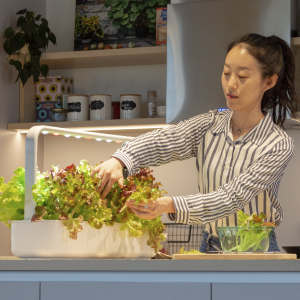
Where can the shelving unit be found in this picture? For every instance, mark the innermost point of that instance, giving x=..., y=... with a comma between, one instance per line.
x=295, y=41
x=98, y=59
x=91, y=59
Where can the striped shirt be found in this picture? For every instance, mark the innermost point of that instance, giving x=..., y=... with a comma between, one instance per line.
x=232, y=175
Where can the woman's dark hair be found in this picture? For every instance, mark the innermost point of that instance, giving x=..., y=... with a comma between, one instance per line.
x=274, y=57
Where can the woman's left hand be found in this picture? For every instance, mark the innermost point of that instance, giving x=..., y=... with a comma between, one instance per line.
x=152, y=209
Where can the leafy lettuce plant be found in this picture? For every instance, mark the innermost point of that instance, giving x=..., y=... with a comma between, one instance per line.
x=71, y=195
x=253, y=230
x=12, y=196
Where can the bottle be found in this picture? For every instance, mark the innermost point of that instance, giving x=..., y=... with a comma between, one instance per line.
x=152, y=109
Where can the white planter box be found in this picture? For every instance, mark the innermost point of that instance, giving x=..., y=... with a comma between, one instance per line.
x=50, y=238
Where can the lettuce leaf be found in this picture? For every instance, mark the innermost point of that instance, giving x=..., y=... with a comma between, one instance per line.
x=12, y=196
x=252, y=232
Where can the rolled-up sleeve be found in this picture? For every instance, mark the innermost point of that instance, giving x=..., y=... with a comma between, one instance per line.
x=234, y=195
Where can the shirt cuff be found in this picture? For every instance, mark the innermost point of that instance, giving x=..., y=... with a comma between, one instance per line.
x=172, y=216
x=182, y=214
x=128, y=171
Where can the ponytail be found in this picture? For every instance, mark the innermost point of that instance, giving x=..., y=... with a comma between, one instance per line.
x=274, y=57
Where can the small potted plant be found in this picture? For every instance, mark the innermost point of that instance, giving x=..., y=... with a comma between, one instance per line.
x=25, y=45
x=86, y=28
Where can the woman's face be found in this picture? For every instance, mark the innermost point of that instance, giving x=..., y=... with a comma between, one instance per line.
x=242, y=81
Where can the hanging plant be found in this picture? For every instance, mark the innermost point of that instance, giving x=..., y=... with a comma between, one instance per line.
x=25, y=45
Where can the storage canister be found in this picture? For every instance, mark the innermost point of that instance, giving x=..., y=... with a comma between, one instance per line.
x=78, y=107
x=100, y=107
x=130, y=106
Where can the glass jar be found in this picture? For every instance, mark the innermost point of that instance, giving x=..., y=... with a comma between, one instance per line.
x=58, y=115
x=152, y=108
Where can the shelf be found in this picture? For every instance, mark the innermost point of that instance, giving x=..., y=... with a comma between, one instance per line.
x=113, y=126
x=105, y=58
x=292, y=124
x=89, y=59
x=295, y=41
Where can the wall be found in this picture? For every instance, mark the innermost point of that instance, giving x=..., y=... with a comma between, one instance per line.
x=12, y=150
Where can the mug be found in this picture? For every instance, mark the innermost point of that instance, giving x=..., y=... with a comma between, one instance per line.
x=130, y=106
x=100, y=108
x=78, y=107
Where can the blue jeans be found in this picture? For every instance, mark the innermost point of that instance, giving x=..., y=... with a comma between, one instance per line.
x=214, y=243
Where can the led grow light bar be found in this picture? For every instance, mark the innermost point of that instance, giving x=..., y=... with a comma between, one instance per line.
x=115, y=128
x=31, y=147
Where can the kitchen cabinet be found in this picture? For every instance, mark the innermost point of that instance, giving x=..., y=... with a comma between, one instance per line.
x=72, y=279
x=83, y=60
x=250, y=291
x=129, y=290
x=12, y=290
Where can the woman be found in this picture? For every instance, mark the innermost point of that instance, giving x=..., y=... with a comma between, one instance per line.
x=241, y=153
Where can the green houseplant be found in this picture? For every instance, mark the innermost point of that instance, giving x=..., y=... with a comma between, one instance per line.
x=135, y=13
x=27, y=43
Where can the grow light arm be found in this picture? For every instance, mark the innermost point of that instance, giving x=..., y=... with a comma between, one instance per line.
x=31, y=148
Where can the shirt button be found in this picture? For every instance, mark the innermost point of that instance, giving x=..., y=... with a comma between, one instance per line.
x=226, y=167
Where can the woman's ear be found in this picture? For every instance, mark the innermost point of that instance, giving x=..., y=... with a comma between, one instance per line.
x=270, y=82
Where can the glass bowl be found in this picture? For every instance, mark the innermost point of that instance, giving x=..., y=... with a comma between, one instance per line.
x=245, y=239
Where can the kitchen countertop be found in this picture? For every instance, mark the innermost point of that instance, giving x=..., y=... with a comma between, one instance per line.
x=10, y=263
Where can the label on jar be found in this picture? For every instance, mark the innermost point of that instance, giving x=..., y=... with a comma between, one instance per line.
x=128, y=105
x=74, y=107
x=97, y=104
x=152, y=110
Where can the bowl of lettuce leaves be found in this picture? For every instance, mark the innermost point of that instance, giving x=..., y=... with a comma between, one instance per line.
x=252, y=235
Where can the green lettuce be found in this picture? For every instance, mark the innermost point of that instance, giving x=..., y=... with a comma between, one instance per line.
x=252, y=232
x=12, y=196
x=70, y=194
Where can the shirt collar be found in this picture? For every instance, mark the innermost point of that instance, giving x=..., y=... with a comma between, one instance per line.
x=222, y=121
x=257, y=134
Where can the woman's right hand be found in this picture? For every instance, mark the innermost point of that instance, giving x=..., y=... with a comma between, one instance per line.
x=109, y=172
